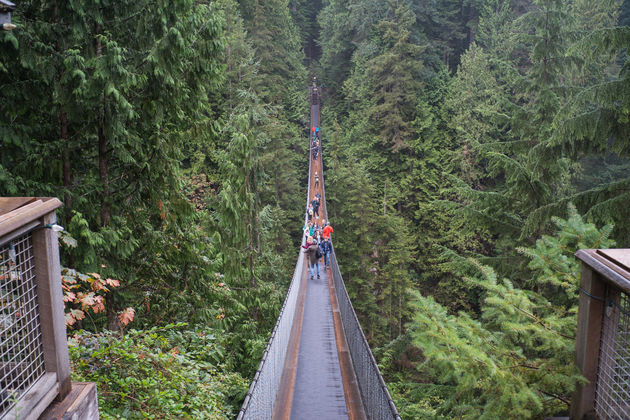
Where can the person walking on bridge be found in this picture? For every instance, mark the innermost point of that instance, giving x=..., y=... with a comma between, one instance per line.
x=307, y=229
x=312, y=249
x=327, y=230
x=315, y=202
x=325, y=247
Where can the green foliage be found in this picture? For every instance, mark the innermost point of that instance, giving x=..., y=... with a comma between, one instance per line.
x=516, y=360
x=103, y=103
x=158, y=373
x=157, y=123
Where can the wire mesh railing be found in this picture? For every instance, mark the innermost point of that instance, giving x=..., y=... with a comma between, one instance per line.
x=377, y=401
x=21, y=355
x=612, y=395
x=260, y=399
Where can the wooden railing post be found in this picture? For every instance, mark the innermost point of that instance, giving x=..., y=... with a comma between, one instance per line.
x=50, y=301
x=602, y=346
x=587, y=343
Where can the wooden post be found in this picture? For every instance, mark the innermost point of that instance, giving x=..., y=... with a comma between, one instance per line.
x=591, y=311
x=50, y=300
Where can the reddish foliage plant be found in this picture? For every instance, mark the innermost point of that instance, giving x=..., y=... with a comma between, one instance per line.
x=83, y=293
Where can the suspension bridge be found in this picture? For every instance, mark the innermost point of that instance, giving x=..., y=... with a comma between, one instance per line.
x=317, y=364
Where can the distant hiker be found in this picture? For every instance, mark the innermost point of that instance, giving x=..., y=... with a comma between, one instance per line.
x=312, y=249
x=312, y=229
x=309, y=211
x=318, y=235
x=325, y=248
x=315, y=202
x=307, y=229
x=318, y=196
x=313, y=130
x=327, y=231
x=315, y=150
x=316, y=185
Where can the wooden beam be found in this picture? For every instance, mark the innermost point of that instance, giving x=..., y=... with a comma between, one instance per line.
x=610, y=270
x=80, y=404
x=50, y=301
x=26, y=214
x=8, y=204
x=35, y=401
x=587, y=341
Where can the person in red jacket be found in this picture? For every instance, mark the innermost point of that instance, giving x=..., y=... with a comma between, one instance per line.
x=327, y=231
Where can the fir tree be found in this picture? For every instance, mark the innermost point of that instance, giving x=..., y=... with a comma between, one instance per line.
x=517, y=359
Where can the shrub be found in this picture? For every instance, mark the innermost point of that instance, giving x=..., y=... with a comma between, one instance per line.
x=158, y=373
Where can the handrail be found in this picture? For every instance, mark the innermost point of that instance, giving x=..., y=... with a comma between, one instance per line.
x=377, y=401
x=258, y=403
x=34, y=365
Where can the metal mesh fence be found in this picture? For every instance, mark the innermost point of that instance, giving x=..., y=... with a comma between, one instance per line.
x=262, y=392
x=21, y=356
x=377, y=402
x=612, y=397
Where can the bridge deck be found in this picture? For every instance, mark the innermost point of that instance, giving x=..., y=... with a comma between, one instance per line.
x=318, y=391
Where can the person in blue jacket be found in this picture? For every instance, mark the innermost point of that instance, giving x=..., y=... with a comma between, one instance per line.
x=325, y=248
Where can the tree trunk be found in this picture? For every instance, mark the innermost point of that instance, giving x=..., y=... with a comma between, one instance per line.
x=471, y=31
x=103, y=174
x=228, y=56
x=113, y=323
x=67, y=174
x=63, y=135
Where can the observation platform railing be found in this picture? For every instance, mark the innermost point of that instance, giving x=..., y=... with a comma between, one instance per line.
x=34, y=366
x=603, y=335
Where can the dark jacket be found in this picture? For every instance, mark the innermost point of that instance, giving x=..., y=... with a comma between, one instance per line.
x=325, y=247
x=312, y=253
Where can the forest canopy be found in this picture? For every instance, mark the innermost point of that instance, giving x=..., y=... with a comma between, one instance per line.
x=471, y=147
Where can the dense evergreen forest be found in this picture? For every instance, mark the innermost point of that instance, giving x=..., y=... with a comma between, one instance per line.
x=471, y=147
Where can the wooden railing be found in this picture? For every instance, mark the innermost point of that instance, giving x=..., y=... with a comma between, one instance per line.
x=34, y=365
x=603, y=335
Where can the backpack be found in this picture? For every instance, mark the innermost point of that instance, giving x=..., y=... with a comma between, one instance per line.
x=318, y=253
